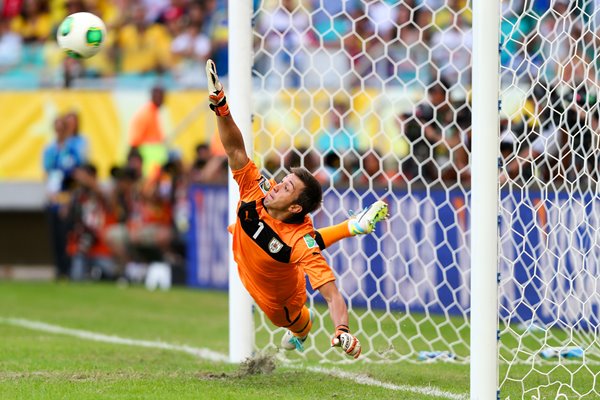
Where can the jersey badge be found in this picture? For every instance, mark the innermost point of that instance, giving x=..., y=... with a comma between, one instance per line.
x=310, y=242
x=275, y=245
x=264, y=184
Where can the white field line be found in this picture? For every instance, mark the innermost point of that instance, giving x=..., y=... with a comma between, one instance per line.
x=211, y=355
x=99, y=337
x=365, y=380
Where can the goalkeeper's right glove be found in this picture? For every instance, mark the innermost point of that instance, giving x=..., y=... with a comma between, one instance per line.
x=216, y=95
x=349, y=343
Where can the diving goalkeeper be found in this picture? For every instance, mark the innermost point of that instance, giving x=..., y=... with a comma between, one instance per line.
x=275, y=243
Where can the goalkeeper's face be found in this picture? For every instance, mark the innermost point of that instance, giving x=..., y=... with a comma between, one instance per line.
x=284, y=195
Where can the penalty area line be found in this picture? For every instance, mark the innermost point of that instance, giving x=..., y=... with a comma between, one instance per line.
x=365, y=380
x=100, y=337
x=211, y=355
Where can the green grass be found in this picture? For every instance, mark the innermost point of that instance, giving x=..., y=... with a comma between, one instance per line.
x=40, y=365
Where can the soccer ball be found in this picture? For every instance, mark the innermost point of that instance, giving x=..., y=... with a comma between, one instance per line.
x=81, y=35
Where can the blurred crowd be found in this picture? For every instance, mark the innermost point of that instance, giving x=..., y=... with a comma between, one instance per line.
x=113, y=229
x=356, y=45
x=141, y=213
x=380, y=42
x=145, y=38
x=552, y=140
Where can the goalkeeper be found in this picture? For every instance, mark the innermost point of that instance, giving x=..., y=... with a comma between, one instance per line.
x=275, y=243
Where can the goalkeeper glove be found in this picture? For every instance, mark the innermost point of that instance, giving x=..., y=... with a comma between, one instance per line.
x=349, y=343
x=216, y=95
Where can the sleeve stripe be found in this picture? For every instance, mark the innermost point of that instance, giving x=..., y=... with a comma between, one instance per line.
x=319, y=240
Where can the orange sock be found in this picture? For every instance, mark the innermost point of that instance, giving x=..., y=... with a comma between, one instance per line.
x=303, y=325
x=333, y=233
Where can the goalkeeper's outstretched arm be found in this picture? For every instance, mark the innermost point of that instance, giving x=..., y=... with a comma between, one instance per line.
x=339, y=315
x=335, y=302
x=229, y=133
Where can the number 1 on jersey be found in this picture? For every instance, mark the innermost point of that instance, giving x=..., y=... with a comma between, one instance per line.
x=261, y=225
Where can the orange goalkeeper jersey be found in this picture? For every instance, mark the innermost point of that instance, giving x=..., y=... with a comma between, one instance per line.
x=273, y=256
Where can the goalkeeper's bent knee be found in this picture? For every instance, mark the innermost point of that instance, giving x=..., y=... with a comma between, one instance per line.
x=303, y=324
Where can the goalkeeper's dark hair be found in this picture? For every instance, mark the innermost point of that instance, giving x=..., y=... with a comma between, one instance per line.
x=311, y=196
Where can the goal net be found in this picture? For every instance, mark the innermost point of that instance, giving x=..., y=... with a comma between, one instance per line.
x=373, y=97
x=549, y=221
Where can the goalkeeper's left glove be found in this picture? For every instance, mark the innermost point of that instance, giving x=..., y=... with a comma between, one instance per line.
x=348, y=342
x=216, y=95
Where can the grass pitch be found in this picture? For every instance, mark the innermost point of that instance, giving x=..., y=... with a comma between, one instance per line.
x=37, y=364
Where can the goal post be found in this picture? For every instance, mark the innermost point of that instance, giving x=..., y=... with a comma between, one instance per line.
x=239, y=90
x=484, y=199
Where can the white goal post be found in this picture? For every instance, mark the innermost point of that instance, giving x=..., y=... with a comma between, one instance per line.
x=484, y=200
x=241, y=323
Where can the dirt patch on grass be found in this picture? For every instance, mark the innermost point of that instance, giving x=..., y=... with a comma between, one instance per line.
x=260, y=364
x=208, y=376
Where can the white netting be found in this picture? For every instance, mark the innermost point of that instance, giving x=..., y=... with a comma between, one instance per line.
x=373, y=97
x=549, y=299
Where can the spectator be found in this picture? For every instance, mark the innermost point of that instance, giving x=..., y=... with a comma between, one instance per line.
x=451, y=49
x=371, y=173
x=135, y=162
x=11, y=46
x=78, y=140
x=431, y=133
x=191, y=48
x=332, y=163
x=538, y=151
x=60, y=159
x=146, y=132
x=146, y=127
x=332, y=21
x=337, y=134
x=283, y=31
x=149, y=233
x=156, y=9
x=33, y=23
x=216, y=27
x=423, y=17
x=461, y=150
x=89, y=216
x=208, y=167
x=514, y=28
x=143, y=48
x=580, y=65
x=305, y=157
x=10, y=8
x=580, y=124
x=172, y=188
x=375, y=29
x=121, y=201
x=144, y=228
x=407, y=53
x=172, y=10
x=202, y=155
x=453, y=12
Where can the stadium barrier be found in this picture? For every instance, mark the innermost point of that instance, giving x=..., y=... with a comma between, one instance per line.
x=424, y=264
